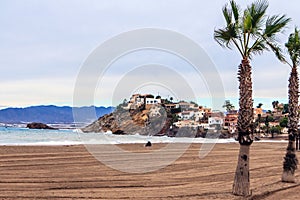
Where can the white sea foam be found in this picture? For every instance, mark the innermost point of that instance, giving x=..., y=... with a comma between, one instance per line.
x=21, y=136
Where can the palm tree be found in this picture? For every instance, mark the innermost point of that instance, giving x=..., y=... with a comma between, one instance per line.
x=229, y=106
x=290, y=159
x=251, y=32
x=275, y=104
x=259, y=117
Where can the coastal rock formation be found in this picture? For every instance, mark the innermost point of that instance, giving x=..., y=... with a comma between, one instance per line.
x=146, y=115
x=35, y=125
x=156, y=121
x=153, y=121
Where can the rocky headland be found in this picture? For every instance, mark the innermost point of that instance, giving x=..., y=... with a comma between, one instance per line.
x=146, y=115
x=153, y=121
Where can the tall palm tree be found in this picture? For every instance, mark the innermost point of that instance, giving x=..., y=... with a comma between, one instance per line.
x=290, y=159
x=251, y=32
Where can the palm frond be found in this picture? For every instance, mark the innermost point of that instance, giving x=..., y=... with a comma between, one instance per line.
x=228, y=36
x=293, y=47
x=275, y=24
x=227, y=13
x=277, y=50
x=247, y=22
x=235, y=11
x=225, y=36
x=256, y=12
x=250, y=31
x=258, y=48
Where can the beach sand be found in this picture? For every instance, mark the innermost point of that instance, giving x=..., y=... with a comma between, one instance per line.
x=71, y=172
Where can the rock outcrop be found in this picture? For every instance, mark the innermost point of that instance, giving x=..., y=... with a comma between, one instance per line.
x=153, y=121
x=156, y=121
x=35, y=125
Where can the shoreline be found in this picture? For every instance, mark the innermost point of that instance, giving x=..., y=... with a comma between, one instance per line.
x=71, y=172
x=41, y=144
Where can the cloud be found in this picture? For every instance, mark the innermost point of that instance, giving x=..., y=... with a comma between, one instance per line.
x=46, y=41
x=37, y=91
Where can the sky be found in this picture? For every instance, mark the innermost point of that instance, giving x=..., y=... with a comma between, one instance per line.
x=45, y=44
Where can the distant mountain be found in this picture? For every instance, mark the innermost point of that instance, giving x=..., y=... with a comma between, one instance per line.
x=50, y=114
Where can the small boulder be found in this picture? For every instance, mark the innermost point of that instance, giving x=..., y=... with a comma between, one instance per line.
x=148, y=144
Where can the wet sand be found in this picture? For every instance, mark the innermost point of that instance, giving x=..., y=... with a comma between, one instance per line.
x=71, y=172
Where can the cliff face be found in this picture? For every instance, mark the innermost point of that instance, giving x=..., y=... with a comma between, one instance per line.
x=153, y=121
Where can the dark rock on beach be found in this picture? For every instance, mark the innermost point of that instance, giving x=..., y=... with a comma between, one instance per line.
x=36, y=125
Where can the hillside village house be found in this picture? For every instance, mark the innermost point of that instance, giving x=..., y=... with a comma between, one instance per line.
x=204, y=109
x=185, y=105
x=215, y=121
x=138, y=100
x=172, y=105
x=191, y=115
x=199, y=115
x=152, y=101
x=189, y=123
x=230, y=122
x=186, y=115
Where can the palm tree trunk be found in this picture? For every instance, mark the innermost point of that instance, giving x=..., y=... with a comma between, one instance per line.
x=290, y=159
x=241, y=185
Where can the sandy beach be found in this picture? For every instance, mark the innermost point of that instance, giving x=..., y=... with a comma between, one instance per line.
x=71, y=172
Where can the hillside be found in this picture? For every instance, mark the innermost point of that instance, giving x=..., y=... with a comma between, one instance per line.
x=145, y=115
x=121, y=121
x=46, y=114
x=156, y=121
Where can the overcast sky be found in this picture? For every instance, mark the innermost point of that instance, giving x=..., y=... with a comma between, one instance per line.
x=45, y=43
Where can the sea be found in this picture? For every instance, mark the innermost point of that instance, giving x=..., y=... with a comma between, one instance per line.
x=11, y=136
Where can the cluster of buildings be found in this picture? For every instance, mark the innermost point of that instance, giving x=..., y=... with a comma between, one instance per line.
x=192, y=115
x=260, y=116
x=274, y=117
x=189, y=114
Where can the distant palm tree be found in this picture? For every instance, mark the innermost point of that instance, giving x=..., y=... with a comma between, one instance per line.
x=259, y=117
x=275, y=104
x=290, y=159
x=251, y=32
x=229, y=106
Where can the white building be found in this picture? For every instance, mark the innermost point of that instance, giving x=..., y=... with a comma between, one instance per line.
x=186, y=115
x=187, y=123
x=184, y=105
x=136, y=100
x=215, y=121
x=199, y=115
x=152, y=101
